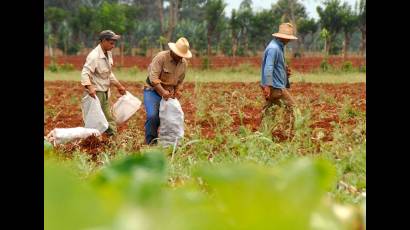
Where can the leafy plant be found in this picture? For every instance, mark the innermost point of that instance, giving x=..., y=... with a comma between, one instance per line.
x=347, y=66
x=325, y=65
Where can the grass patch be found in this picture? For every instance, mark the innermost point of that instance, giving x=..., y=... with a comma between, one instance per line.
x=241, y=74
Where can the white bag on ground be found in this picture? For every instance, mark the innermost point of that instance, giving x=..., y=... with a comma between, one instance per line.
x=93, y=115
x=125, y=107
x=65, y=135
x=171, y=117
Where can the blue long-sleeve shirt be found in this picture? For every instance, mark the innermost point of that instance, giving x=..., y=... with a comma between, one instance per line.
x=273, y=65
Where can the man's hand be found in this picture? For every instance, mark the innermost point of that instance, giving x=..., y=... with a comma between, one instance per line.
x=288, y=71
x=162, y=92
x=121, y=89
x=177, y=94
x=91, y=90
x=266, y=91
x=166, y=94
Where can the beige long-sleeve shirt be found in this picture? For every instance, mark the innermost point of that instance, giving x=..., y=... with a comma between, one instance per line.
x=97, y=70
x=164, y=70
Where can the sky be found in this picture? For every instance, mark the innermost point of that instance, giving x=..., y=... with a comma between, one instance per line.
x=266, y=4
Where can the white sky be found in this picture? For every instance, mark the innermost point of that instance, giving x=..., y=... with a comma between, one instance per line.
x=266, y=4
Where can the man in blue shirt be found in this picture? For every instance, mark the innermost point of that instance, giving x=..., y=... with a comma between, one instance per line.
x=275, y=73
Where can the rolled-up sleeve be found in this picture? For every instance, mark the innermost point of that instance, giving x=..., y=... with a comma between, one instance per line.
x=267, y=77
x=155, y=70
x=88, y=69
x=113, y=78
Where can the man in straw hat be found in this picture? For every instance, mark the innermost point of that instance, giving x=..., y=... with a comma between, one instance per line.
x=165, y=76
x=275, y=73
x=97, y=75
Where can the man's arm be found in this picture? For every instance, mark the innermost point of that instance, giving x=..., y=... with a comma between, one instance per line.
x=179, y=87
x=88, y=69
x=267, y=78
x=153, y=75
x=116, y=83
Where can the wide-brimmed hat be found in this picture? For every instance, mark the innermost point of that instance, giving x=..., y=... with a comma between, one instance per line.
x=285, y=31
x=181, y=48
x=109, y=35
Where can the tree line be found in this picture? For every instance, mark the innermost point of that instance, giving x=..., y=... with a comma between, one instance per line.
x=71, y=25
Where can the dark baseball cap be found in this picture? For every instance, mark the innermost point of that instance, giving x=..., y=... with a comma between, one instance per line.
x=108, y=34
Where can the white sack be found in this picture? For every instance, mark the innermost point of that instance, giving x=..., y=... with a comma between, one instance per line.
x=171, y=117
x=65, y=135
x=93, y=115
x=125, y=107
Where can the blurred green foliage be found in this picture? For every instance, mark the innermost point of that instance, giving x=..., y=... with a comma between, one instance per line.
x=132, y=193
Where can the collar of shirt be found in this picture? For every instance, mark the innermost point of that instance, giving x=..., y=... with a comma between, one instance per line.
x=170, y=59
x=107, y=58
x=101, y=52
x=278, y=42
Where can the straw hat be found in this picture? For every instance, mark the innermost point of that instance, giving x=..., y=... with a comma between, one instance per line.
x=181, y=48
x=285, y=31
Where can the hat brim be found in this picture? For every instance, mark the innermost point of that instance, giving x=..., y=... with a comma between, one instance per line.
x=115, y=37
x=285, y=36
x=174, y=49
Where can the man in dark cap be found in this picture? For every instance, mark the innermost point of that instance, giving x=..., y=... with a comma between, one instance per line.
x=97, y=75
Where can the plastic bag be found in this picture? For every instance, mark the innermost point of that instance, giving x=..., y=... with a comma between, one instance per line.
x=125, y=107
x=65, y=135
x=171, y=116
x=93, y=115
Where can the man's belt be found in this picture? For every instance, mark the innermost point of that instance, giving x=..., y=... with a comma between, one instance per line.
x=149, y=82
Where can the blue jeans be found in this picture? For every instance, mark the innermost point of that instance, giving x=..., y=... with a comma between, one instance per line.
x=151, y=103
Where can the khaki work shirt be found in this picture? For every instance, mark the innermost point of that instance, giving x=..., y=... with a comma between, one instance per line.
x=164, y=70
x=97, y=70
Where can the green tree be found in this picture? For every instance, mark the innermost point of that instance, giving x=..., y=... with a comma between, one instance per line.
x=306, y=27
x=324, y=35
x=82, y=23
x=234, y=26
x=149, y=9
x=214, y=10
x=262, y=25
x=49, y=38
x=349, y=25
x=55, y=16
x=47, y=32
x=223, y=25
x=361, y=11
x=67, y=5
x=172, y=17
x=193, y=10
x=93, y=3
x=195, y=33
x=226, y=42
x=131, y=23
x=331, y=18
x=244, y=18
x=290, y=11
x=173, y=9
x=64, y=35
x=149, y=29
x=112, y=17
